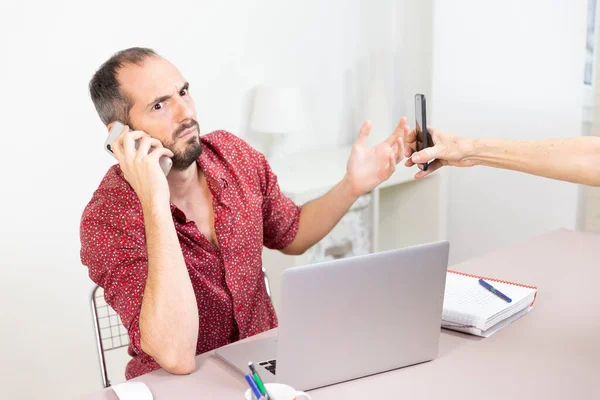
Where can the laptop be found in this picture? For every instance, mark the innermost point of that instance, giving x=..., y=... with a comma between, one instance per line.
x=349, y=318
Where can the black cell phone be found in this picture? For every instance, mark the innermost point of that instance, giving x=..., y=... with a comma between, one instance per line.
x=423, y=137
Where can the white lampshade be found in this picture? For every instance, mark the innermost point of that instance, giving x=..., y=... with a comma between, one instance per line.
x=277, y=110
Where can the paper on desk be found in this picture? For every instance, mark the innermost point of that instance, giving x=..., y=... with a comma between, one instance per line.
x=132, y=391
x=489, y=332
x=466, y=302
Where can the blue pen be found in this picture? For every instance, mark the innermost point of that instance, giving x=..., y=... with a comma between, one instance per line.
x=253, y=386
x=495, y=291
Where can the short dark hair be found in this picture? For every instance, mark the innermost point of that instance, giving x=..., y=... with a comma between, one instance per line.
x=110, y=102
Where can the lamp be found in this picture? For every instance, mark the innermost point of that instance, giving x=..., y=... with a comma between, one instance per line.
x=277, y=111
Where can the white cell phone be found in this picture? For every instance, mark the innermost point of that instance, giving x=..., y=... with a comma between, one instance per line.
x=165, y=162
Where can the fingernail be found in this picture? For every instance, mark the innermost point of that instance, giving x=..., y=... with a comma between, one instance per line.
x=415, y=159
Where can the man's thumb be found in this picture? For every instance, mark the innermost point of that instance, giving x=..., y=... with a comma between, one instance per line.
x=364, y=133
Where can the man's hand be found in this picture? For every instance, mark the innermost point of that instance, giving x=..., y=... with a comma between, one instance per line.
x=142, y=170
x=369, y=166
x=448, y=149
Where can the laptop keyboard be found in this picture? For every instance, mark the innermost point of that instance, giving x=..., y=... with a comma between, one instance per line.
x=269, y=365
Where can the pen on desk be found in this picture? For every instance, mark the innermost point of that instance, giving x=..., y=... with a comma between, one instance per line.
x=495, y=291
x=255, y=390
x=258, y=381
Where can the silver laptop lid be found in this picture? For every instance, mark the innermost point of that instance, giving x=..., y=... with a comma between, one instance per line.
x=358, y=316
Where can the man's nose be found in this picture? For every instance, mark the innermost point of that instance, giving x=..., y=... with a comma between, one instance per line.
x=185, y=111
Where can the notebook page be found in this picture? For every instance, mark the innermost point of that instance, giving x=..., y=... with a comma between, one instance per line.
x=466, y=302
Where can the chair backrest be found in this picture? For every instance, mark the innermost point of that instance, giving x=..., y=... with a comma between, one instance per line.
x=267, y=285
x=110, y=332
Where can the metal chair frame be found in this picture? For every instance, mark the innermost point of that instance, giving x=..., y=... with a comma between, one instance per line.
x=97, y=298
x=115, y=338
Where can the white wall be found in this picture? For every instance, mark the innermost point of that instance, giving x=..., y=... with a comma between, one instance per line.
x=510, y=69
x=589, y=215
x=52, y=158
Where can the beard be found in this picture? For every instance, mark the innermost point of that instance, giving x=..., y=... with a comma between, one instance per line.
x=182, y=159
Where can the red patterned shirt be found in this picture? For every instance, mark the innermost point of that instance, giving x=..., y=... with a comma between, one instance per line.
x=250, y=211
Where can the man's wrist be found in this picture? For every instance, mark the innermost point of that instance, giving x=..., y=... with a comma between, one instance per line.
x=348, y=189
x=156, y=207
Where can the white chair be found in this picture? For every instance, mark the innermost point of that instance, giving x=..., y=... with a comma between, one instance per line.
x=110, y=332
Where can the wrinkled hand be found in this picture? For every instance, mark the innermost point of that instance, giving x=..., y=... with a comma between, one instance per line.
x=142, y=170
x=369, y=166
x=447, y=149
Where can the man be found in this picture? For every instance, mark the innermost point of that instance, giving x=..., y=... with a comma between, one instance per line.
x=574, y=160
x=179, y=257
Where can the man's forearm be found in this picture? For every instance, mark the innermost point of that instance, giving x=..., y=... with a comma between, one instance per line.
x=169, y=315
x=575, y=160
x=318, y=217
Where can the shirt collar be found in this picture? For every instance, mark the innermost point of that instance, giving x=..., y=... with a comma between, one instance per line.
x=215, y=172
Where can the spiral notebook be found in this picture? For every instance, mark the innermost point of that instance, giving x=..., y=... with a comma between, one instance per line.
x=470, y=308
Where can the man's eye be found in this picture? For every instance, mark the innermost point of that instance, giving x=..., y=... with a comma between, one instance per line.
x=157, y=106
x=183, y=92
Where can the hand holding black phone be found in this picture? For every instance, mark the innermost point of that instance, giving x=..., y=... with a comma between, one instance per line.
x=423, y=137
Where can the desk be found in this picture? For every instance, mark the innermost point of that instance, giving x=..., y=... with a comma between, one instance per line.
x=551, y=353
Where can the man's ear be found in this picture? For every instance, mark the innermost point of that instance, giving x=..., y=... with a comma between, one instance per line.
x=110, y=126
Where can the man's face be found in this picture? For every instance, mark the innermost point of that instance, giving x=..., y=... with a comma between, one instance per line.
x=163, y=107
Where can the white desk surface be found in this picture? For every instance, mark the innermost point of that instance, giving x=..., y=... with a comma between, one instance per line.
x=551, y=353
